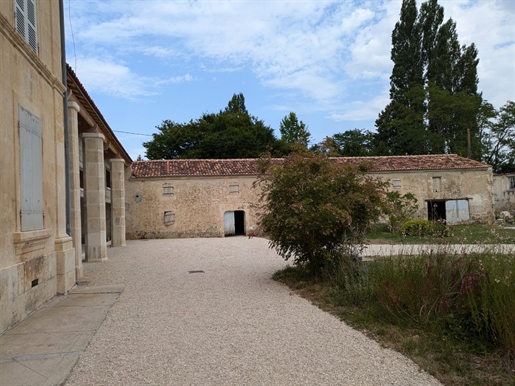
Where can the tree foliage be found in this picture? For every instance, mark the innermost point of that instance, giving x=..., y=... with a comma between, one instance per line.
x=498, y=136
x=312, y=206
x=231, y=133
x=434, y=102
x=294, y=131
x=354, y=143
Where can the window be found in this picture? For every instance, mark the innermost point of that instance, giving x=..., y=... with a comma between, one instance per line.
x=512, y=182
x=167, y=189
x=437, y=184
x=169, y=218
x=396, y=183
x=234, y=189
x=31, y=170
x=25, y=21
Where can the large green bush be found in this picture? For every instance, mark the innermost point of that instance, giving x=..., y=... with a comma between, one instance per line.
x=312, y=205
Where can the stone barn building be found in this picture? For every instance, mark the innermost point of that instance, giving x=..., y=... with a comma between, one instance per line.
x=191, y=198
x=504, y=191
x=216, y=198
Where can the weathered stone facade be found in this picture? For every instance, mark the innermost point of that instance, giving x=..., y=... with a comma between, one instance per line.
x=36, y=254
x=38, y=258
x=196, y=205
x=504, y=191
x=199, y=193
x=439, y=186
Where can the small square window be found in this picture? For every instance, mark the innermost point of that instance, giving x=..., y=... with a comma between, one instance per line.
x=167, y=189
x=396, y=183
x=169, y=218
x=234, y=189
x=512, y=182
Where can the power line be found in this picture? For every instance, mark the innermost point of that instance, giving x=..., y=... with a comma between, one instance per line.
x=127, y=132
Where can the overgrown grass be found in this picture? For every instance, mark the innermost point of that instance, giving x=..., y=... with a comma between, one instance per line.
x=453, y=314
x=458, y=234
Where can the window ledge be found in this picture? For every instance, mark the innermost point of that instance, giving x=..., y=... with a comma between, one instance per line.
x=25, y=242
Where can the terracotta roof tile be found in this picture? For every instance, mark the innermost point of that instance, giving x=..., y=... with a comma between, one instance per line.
x=249, y=167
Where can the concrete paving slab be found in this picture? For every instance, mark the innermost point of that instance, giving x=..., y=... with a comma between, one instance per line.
x=16, y=374
x=43, y=348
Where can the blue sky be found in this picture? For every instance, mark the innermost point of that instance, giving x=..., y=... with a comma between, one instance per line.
x=144, y=61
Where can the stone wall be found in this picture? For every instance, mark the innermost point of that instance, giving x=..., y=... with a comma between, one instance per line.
x=475, y=185
x=504, y=193
x=197, y=205
x=35, y=264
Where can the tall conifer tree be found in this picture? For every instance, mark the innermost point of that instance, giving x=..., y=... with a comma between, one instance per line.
x=404, y=115
x=433, y=87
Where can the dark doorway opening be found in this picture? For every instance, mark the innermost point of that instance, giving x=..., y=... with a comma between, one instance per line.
x=239, y=223
x=234, y=223
x=436, y=210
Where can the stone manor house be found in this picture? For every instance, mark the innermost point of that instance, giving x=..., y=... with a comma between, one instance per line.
x=69, y=190
x=62, y=170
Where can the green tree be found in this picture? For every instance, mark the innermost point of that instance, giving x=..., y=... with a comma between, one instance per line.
x=232, y=133
x=403, y=117
x=499, y=137
x=312, y=206
x=434, y=103
x=294, y=131
x=354, y=143
x=452, y=99
x=236, y=105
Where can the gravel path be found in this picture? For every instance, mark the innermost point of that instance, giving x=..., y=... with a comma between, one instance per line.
x=231, y=325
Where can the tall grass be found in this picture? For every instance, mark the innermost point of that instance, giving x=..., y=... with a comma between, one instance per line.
x=472, y=294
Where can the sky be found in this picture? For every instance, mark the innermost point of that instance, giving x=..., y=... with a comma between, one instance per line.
x=146, y=61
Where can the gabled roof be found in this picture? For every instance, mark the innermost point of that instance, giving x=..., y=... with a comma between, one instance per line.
x=85, y=100
x=249, y=166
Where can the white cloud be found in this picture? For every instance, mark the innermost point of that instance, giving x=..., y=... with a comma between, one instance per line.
x=117, y=79
x=362, y=110
x=319, y=49
x=356, y=18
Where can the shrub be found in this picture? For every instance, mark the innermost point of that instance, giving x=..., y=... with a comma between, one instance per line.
x=313, y=205
x=402, y=208
x=425, y=228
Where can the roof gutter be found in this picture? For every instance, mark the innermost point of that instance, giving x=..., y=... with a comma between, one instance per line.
x=65, y=115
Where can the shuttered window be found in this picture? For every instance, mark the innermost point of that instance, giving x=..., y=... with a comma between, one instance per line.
x=25, y=21
x=31, y=170
x=167, y=189
x=169, y=218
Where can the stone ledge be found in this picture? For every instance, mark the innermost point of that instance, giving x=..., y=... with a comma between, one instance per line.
x=25, y=242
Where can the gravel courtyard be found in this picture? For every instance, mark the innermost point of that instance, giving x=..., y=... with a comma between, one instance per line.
x=228, y=325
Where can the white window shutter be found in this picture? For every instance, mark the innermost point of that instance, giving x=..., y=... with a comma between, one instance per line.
x=25, y=15
x=31, y=159
x=31, y=25
x=20, y=17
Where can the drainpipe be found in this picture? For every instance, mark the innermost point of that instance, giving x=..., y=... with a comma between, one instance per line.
x=66, y=135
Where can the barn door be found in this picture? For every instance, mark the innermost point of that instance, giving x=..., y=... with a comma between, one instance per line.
x=451, y=212
x=229, y=224
x=456, y=211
